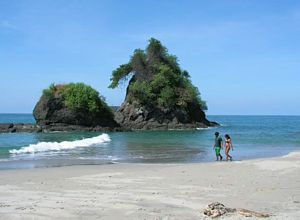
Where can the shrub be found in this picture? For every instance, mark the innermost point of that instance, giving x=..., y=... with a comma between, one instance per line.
x=141, y=92
x=50, y=91
x=78, y=97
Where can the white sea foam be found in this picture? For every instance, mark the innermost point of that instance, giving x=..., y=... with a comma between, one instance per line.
x=199, y=129
x=65, y=145
x=294, y=154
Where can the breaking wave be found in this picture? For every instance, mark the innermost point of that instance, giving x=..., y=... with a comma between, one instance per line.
x=65, y=145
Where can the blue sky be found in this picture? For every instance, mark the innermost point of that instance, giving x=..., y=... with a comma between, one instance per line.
x=243, y=55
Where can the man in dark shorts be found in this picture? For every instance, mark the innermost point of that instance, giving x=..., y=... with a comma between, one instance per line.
x=218, y=146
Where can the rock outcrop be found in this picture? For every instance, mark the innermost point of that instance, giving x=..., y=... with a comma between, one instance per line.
x=34, y=128
x=160, y=95
x=20, y=127
x=51, y=110
x=140, y=117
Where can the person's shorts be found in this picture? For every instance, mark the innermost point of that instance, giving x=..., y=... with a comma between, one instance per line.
x=218, y=150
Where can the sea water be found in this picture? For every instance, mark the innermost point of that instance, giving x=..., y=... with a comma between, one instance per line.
x=252, y=137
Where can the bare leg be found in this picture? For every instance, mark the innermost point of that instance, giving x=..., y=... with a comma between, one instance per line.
x=226, y=152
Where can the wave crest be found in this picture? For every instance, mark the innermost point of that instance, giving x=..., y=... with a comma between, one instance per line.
x=65, y=145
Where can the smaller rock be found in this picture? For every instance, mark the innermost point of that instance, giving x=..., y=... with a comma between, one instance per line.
x=217, y=209
x=13, y=130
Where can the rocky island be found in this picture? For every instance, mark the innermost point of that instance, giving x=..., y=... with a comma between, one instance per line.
x=159, y=96
x=73, y=106
x=69, y=107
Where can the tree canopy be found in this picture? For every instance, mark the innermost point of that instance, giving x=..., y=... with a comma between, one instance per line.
x=78, y=97
x=157, y=79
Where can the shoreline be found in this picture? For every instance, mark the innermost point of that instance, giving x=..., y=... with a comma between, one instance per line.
x=45, y=164
x=153, y=191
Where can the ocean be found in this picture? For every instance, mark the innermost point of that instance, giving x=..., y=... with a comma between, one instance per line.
x=252, y=137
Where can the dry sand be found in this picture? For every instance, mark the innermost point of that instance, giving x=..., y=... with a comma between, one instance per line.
x=157, y=191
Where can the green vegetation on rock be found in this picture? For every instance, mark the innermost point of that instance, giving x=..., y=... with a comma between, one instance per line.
x=50, y=92
x=156, y=79
x=78, y=97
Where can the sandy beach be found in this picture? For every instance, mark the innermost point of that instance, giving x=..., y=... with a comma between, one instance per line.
x=153, y=191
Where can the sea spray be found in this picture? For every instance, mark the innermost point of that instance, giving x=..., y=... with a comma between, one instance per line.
x=65, y=145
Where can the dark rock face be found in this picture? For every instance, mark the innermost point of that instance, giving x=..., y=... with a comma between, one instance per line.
x=12, y=128
x=134, y=116
x=137, y=117
x=51, y=111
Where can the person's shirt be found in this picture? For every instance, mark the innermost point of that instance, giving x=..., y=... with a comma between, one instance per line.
x=218, y=141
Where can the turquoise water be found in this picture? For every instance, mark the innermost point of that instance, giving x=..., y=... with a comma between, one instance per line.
x=17, y=118
x=252, y=136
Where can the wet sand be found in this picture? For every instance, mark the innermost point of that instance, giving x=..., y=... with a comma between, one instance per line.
x=152, y=191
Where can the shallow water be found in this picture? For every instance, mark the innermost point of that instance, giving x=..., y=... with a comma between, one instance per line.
x=252, y=137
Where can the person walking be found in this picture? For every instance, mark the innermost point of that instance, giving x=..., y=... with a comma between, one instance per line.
x=228, y=146
x=218, y=146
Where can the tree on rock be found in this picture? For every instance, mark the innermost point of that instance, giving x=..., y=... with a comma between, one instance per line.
x=159, y=88
x=157, y=79
x=73, y=104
